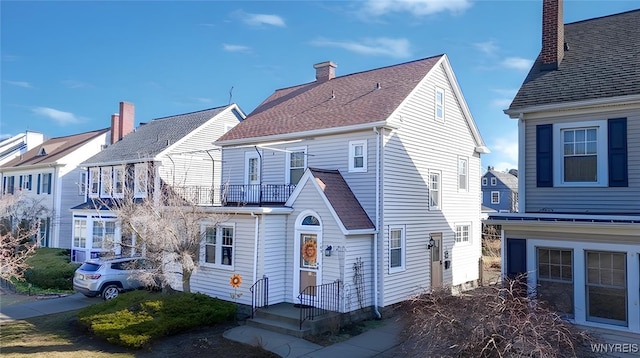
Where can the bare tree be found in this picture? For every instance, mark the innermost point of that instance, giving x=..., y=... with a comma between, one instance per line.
x=166, y=229
x=19, y=226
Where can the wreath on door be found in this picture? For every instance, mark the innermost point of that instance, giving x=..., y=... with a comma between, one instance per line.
x=309, y=251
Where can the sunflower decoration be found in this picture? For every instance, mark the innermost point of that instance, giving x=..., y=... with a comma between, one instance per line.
x=236, y=280
x=309, y=250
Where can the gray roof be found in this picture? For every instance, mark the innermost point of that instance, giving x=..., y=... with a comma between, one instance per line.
x=603, y=60
x=510, y=180
x=150, y=139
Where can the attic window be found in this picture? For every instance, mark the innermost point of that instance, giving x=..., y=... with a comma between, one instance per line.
x=42, y=152
x=311, y=220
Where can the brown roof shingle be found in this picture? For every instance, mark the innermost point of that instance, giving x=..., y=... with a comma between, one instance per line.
x=342, y=101
x=342, y=199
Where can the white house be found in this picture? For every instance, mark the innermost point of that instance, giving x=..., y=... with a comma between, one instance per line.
x=19, y=144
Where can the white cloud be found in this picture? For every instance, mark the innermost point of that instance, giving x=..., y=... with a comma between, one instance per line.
x=236, y=48
x=381, y=46
x=415, y=7
x=501, y=103
x=76, y=84
x=262, y=19
x=506, y=148
x=487, y=47
x=517, y=63
x=23, y=84
x=60, y=117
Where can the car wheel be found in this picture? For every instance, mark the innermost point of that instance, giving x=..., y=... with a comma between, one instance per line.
x=110, y=292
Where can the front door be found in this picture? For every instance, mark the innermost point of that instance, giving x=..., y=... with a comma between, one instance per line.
x=436, y=261
x=307, y=267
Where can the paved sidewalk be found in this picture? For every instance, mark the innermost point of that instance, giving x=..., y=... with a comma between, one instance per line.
x=44, y=306
x=379, y=342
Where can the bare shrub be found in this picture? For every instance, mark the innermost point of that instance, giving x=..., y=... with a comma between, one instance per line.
x=493, y=321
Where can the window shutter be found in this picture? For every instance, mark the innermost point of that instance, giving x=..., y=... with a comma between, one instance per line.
x=39, y=175
x=20, y=182
x=30, y=181
x=544, y=155
x=617, y=138
x=49, y=184
x=516, y=257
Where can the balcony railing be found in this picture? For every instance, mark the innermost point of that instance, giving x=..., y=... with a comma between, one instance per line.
x=232, y=195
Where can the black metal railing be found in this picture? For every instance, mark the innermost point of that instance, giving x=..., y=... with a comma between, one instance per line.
x=257, y=193
x=259, y=294
x=199, y=195
x=317, y=301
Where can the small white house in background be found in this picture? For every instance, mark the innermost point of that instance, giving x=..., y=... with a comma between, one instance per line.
x=577, y=233
x=359, y=190
x=176, y=151
x=19, y=144
x=50, y=174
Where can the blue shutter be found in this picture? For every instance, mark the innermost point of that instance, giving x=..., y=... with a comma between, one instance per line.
x=20, y=182
x=617, y=136
x=49, y=184
x=544, y=155
x=516, y=257
x=39, y=175
x=30, y=181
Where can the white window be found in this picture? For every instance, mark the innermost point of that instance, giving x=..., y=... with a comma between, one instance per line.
x=494, y=181
x=463, y=234
x=484, y=181
x=45, y=184
x=495, y=197
x=25, y=182
x=118, y=181
x=296, y=164
x=606, y=283
x=435, y=190
x=555, y=278
x=106, y=181
x=79, y=233
x=580, y=154
x=103, y=234
x=82, y=183
x=141, y=180
x=217, y=250
x=358, y=156
x=463, y=173
x=439, y=104
x=94, y=182
x=396, y=248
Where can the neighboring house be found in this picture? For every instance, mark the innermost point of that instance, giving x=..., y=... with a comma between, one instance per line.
x=50, y=174
x=176, y=151
x=577, y=236
x=19, y=144
x=350, y=192
x=500, y=191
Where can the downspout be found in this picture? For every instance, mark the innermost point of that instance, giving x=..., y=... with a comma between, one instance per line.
x=255, y=248
x=57, y=208
x=376, y=235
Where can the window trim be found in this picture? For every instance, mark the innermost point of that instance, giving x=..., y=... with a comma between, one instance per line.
x=601, y=152
x=466, y=174
x=116, y=169
x=287, y=161
x=441, y=91
x=439, y=191
x=495, y=201
x=352, y=156
x=494, y=181
x=403, y=248
x=82, y=183
x=94, y=178
x=138, y=169
x=218, y=247
x=469, y=234
x=106, y=173
x=484, y=181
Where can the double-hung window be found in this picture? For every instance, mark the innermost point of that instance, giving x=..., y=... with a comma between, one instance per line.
x=555, y=278
x=79, y=233
x=296, y=164
x=494, y=181
x=82, y=183
x=463, y=174
x=358, y=156
x=106, y=184
x=439, y=104
x=463, y=234
x=218, y=245
x=45, y=183
x=140, y=182
x=103, y=234
x=396, y=248
x=495, y=197
x=94, y=182
x=118, y=181
x=25, y=182
x=435, y=190
x=484, y=181
x=606, y=281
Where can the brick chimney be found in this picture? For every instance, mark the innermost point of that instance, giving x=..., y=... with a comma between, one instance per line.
x=325, y=71
x=122, y=122
x=552, y=34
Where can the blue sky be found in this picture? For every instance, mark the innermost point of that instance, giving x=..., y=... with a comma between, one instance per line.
x=65, y=66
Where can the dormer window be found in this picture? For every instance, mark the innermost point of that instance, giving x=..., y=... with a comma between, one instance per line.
x=42, y=152
x=106, y=184
x=94, y=182
x=140, y=180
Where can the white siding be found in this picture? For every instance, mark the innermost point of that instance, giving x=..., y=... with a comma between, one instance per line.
x=584, y=200
x=420, y=144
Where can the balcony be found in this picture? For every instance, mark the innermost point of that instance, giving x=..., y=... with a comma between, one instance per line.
x=234, y=195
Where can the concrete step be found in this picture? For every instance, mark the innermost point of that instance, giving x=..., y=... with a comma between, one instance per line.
x=284, y=327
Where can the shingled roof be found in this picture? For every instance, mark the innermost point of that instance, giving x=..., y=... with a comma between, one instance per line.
x=602, y=61
x=342, y=199
x=50, y=151
x=152, y=138
x=359, y=98
x=510, y=180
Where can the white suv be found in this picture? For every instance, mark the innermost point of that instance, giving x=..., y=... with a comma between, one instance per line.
x=108, y=277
